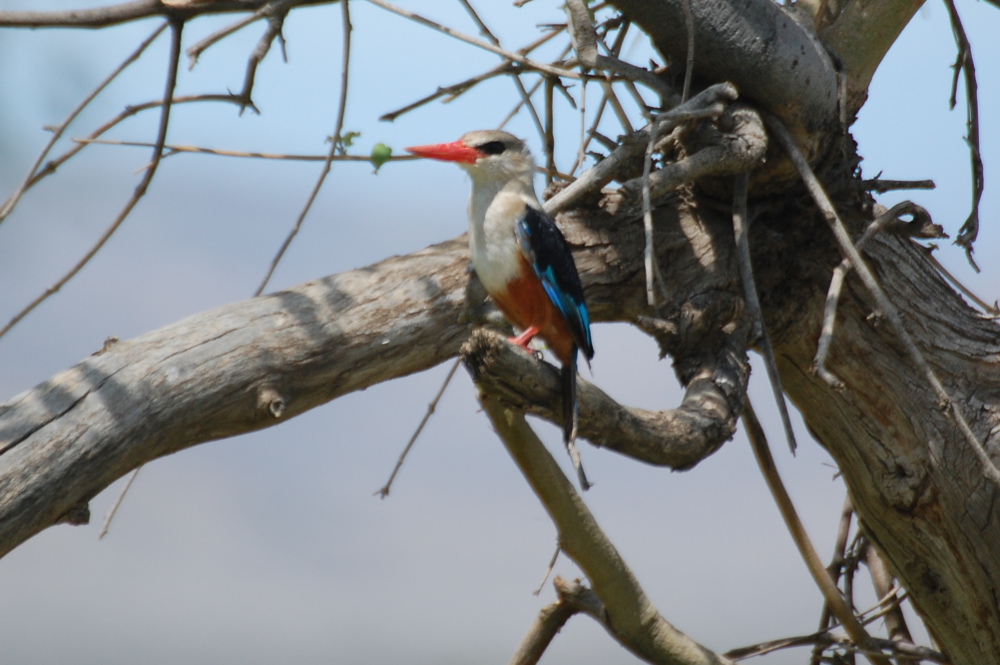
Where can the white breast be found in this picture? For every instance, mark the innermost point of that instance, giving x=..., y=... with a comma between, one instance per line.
x=495, y=253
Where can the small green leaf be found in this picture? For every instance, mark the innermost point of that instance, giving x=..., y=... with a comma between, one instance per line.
x=348, y=139
x=380, y=155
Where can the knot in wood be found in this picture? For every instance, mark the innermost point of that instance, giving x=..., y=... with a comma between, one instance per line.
x=270, y=401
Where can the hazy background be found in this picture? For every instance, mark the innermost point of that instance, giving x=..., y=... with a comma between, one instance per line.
x=271, y=547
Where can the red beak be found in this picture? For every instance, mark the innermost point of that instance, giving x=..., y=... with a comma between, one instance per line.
x=447, y=152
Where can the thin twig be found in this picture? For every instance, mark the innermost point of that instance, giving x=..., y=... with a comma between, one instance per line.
x=53, y=165
x=431, y=408
x=882, y=186
x=835, y=568
x=58, y=130
x=275, y=13
x=708, y=103
x=832, y=595
x=584, y=35
x=689, y=65
x=885, y=306
x=649, y=253
x=118, y=503
x=518, y=83
x=965, y=64
x=451, y=32
x=140, y=190
x=741, y=229
x=886, y=591
x=130, y=12
x=194, y=52
x=335, y=145
x=825, y=640
x=548, y=570
x=992, y=311
x=457, y=89
x=833, y=297
x=172, y=149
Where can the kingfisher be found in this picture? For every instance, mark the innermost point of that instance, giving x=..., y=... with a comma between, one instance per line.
x=521, y=257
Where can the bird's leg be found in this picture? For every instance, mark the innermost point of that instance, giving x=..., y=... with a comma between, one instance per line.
x=525, y=338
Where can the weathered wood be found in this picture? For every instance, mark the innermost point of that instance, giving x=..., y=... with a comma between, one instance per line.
x=231, y=370
x=255, y=363
x=914, y=481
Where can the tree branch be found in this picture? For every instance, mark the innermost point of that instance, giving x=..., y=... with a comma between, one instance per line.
x=631, y=617
x=677, y=438
x=231, y=370
x=101, y=17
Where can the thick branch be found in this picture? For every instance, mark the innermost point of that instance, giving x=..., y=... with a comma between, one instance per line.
x=677, y=438
x=861, y=36
x=770, y=58
x=231, y=370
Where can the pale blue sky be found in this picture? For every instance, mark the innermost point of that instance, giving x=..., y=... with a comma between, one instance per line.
x=271, y=546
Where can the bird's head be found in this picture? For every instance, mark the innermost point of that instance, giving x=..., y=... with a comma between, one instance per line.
x=486, y=154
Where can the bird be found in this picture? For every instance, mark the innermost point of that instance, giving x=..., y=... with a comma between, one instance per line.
x=521, y=257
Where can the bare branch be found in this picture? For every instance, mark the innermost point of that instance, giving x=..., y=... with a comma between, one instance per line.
x=632, y=618
x=676, y=438
x=126, y=12
x=735, y=151
x=888, y=310
x=921, y=226
x=140, y=190
x=549, y=622
x=831, y=593
x=965, y=64
x=585, y=42
x=335, y=146
x=741, y=230
x=708, y=103
x=57, y=132
x=509, y=55
x=235, y=369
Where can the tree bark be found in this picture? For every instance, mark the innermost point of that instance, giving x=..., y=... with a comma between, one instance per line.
x=915, y=483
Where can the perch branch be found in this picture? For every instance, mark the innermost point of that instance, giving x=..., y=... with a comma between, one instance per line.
x=676, y=438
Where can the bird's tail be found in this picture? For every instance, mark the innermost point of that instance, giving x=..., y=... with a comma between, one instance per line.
x=571, y=417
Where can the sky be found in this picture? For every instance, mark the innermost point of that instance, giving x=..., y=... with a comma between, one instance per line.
x=271, y=546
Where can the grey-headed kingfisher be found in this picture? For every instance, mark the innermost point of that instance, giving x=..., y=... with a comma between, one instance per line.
x=519, y=254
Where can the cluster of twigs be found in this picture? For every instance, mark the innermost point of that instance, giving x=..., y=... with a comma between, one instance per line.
x=591, y=56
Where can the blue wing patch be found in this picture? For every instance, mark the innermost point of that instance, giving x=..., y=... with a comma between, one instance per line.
x=545, y=248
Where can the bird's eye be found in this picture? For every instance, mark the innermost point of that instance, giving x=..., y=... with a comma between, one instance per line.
x=492, y=148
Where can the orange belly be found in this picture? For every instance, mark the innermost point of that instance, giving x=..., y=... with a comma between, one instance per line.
x=525, y=304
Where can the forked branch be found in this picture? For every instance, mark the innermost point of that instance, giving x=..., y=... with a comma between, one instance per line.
x=632, y=618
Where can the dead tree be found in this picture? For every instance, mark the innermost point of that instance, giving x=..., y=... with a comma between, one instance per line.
x=901, y=386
